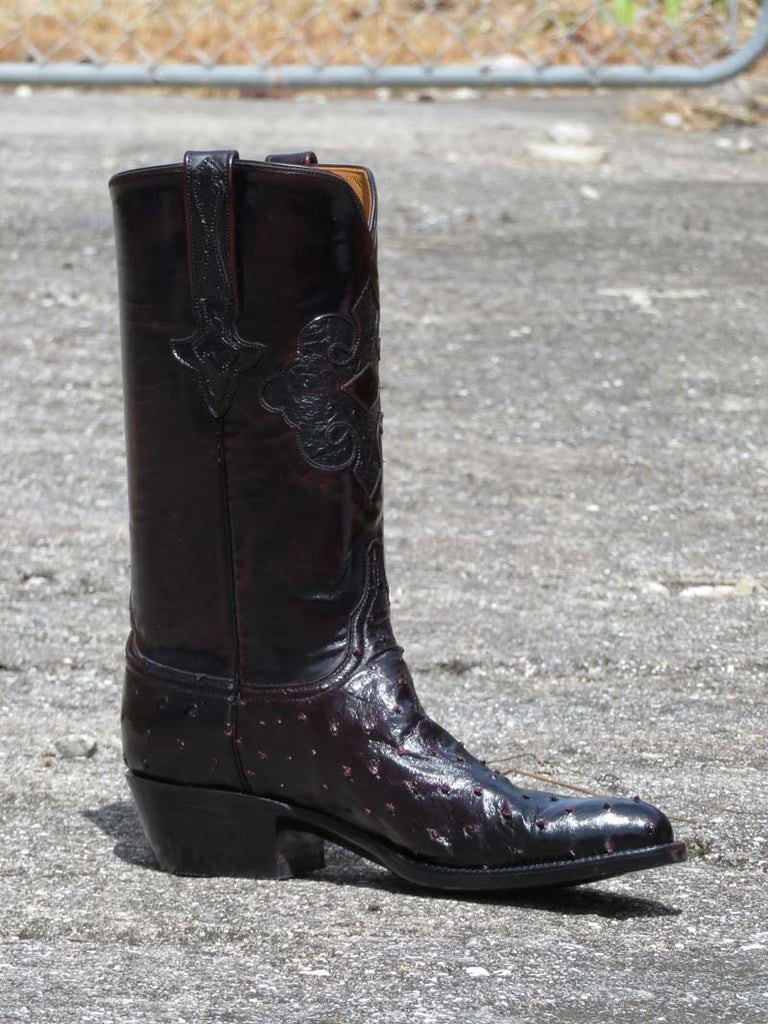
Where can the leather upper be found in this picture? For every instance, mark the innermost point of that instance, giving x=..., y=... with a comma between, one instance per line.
x=262, y=656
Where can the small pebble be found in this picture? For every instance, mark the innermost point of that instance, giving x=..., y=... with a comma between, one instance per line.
x=464, y=94
x=569, y=153
x=705, y=590
x=76, y=746
x=570, y=132
x=654, y=587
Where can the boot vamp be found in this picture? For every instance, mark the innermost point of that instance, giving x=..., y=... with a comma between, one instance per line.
x=364, y=751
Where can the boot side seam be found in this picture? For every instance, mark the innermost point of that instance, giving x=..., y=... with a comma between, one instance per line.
x=236, y=645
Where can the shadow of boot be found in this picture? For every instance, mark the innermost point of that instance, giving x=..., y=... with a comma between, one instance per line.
x=120, y=822
x=345, y=868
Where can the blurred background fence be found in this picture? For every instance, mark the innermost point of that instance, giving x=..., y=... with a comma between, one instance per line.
x=363, y=43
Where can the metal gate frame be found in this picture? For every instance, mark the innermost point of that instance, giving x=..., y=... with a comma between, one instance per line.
x=360, y=76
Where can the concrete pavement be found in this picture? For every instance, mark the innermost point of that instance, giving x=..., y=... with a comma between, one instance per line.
x=576, y=488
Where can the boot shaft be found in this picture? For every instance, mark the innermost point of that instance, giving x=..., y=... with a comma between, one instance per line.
x=249, y=314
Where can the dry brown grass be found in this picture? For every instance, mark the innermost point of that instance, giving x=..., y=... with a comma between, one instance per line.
x=700, y=112
x=348, y=31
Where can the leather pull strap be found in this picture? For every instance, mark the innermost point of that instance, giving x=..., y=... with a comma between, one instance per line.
x=307, y=158
x=210, y=228
x=215, y=352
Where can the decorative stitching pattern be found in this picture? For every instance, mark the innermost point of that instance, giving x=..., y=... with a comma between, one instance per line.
x=329, y=394
x=215, y=351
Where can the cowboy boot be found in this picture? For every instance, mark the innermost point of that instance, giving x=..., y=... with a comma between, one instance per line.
x=267, y=706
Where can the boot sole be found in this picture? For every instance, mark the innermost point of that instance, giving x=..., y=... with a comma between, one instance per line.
x=215, y=832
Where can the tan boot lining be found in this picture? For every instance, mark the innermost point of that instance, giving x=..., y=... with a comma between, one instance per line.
x=357, y=178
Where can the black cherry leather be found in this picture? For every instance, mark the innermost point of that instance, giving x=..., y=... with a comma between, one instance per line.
x=261, y=658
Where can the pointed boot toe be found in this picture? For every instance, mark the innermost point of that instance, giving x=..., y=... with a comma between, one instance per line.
x=267, y=707
x=579, y=829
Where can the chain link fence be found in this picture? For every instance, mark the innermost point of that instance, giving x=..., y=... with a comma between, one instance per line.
x=363, y=43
